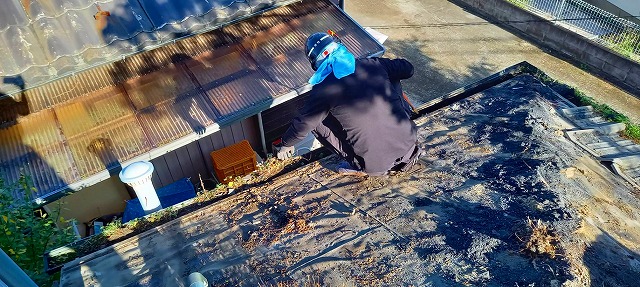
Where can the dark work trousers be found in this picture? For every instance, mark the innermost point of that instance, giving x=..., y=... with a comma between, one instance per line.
x=332, y=136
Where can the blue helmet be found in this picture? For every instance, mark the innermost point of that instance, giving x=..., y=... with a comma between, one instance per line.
x=318, y=47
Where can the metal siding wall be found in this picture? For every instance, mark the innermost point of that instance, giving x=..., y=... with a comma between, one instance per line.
x=238, y=133
x=161, y=167
x=185, y=162
x=252, y=132
x=175, y=168
x=227, y=137
x=206, y=147
x=194, y=159
x=198, y=160
x=276, y=120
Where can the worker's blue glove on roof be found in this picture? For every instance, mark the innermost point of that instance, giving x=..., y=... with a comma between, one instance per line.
x=341, y=62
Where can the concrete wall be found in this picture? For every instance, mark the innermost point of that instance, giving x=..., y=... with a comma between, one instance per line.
x=603, y=61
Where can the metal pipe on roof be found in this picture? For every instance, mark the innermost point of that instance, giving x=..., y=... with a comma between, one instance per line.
x=262, y=137
x=341, y=4
x=11, y=274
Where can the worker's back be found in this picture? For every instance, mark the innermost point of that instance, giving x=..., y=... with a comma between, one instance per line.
x=370, y=110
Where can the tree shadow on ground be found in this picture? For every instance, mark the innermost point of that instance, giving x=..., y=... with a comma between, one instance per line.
x=429, y=81
x=550, y=50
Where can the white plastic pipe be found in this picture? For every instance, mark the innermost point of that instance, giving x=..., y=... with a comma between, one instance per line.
x=196, y=279
x=138, y=175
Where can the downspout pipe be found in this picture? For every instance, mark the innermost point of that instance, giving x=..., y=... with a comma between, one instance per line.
x=11, y=274
x=341, y=4
x=262, y=136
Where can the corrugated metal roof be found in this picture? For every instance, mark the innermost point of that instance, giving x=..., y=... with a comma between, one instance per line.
x=69, y=131
x=48, y=39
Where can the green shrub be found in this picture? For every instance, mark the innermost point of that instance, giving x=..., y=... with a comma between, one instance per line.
x=632, y=132
x=626, y=43
x=26, y=233
x=523, y=4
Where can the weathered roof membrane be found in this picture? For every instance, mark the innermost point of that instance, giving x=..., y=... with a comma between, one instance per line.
x=67, y=134
x=494, y=160
x=42, y=40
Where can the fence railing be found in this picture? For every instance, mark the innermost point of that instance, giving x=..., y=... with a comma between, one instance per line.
x=590, y=21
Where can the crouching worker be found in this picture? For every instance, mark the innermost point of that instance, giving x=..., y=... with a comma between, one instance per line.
x=355, y=109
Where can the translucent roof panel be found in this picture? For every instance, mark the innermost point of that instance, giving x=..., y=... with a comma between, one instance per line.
x=71, y=132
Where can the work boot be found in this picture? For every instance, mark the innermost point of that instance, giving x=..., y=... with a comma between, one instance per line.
x=417, y=153
x=407, y=165
x=344, y=168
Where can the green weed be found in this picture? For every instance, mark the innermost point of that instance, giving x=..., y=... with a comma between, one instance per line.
x=626, y=43
x=579, y=98
x=26, y=233
x=632, y=130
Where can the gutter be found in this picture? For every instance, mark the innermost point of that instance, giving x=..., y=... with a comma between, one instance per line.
x=476, y=87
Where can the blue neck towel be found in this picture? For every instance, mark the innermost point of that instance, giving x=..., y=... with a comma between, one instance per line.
x=341, y=62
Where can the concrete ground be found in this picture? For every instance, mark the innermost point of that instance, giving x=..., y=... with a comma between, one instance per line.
x=452, y=47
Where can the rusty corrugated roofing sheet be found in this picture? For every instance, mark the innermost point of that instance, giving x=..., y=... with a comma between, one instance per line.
x=42, y=40
x=68, y=132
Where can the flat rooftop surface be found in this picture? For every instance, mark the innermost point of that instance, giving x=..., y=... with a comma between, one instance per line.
x=493, y=161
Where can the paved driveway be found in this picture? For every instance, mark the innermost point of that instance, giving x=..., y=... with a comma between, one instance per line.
x=452, y=47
